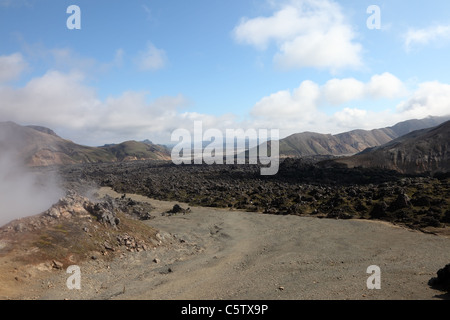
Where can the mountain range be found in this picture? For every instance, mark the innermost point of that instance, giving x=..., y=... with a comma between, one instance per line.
x=349, y=143
x=426, y=150
x=411, y=146
x=40, y=146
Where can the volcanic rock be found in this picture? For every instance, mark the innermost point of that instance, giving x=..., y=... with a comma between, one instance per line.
x=442, y=281
x=401, y=202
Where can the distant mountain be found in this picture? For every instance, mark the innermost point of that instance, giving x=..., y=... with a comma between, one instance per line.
x=426, y=150
x=40, y=146
x=146, y=141
x=134, y=150
x=312, y=144
x=44, y=130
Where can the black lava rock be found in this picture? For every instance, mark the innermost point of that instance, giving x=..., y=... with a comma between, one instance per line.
x=442, y=281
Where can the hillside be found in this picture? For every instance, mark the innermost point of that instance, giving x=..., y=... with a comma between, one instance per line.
x=426, y=150
x=352, y=142
x=134, y=150
x=39, y=146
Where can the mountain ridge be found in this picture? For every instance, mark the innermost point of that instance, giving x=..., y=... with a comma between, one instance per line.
x=420, y=151
x=40, y=146
x=352, y=142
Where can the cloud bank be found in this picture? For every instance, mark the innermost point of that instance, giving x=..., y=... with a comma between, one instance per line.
x=303, y=108
x=65, y=102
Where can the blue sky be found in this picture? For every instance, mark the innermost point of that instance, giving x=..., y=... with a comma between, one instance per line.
x=141, y=69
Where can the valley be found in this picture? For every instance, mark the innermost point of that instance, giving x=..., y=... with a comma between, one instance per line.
x=150, y=229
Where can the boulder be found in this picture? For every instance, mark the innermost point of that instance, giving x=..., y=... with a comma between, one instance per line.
x=104, y=212
x=57, y=265
x=379, y=210
x=442, y=281
x=401, y=202
x=178, y=209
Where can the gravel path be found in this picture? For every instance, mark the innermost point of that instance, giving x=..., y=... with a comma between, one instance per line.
x=220, y=254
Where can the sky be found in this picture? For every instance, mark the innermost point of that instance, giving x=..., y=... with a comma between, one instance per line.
x=141, y=69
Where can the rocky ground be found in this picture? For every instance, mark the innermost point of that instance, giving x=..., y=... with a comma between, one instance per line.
x=224, y=232
x=73, y=230
x=211, y=253
x=300, y=188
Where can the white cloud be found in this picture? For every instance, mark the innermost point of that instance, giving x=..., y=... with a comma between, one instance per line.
x=11, y=67
x=431, y=98
x=307, y=33
x=380, y=86
x=348, y=117
x=301, y=110
x=283, y=25
x=332, y=50
x=63, y=102
x=416, y=37
x=151, y=59
x=130, y=113
x=338, y=91
x=309, y=95
x=386, y=86
x=55, y=99
x=283, y=104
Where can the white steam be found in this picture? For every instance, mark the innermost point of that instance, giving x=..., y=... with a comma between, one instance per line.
x=23, y=192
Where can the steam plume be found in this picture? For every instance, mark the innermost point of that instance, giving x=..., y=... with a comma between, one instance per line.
x=22, y=191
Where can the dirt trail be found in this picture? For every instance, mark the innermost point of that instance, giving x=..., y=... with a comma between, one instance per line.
x=221, y=254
